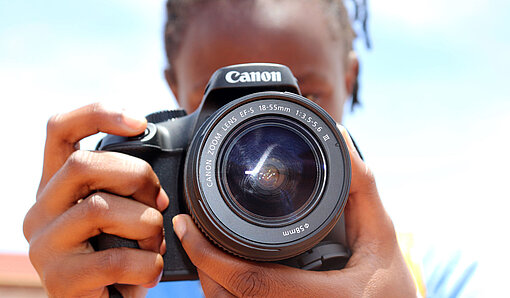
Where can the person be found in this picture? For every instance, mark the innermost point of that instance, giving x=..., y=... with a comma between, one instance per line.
x=83, y=193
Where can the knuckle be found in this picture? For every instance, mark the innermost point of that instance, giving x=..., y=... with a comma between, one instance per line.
x=96, y=108
x=155, y=219
x=150, y=179
x=34, y=252
x=154, y=269
x=77, y=161
x=28, y=225
x=250, y=283
x=159, y=220
x=41, y=256
x=96, y=206
x=138, y=174
x=146, y=179
x=152, y=222
x=112, y=262
x=99, y=112
x=79, y=165
x=53, y=124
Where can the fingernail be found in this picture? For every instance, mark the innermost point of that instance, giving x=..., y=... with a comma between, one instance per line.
x=133, y=121
x=162, y=200
x=179, y=226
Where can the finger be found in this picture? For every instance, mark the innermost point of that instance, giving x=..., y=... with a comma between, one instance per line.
x=99, y=269
x=246, y=278
x=212, y=288
x=64, y=131
x=85, y=172
x=360, y=172
x=106, y=213
x=366, y=219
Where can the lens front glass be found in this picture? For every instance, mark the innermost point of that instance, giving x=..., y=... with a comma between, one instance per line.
x=271, y=169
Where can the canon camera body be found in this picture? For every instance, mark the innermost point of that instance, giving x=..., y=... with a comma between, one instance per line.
x=263, y=171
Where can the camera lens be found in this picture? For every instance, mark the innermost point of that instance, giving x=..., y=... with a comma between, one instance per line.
x=267, y=176
x=271, y=170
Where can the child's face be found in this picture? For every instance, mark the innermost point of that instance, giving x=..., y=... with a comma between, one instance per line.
x=290, y=32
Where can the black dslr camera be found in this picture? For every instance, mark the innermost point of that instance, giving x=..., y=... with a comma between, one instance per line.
x=263, y=171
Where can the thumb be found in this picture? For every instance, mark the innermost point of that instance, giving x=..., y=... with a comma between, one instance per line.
x=219, y=267
x=243, y=278
x=201, y=252
x=65, y=130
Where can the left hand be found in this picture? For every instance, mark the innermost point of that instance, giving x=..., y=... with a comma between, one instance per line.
x=376, y=267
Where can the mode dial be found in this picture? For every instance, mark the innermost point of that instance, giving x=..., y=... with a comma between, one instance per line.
x=166, y=115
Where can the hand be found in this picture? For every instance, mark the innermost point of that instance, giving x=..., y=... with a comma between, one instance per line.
x=376, y=267
x=84, y=193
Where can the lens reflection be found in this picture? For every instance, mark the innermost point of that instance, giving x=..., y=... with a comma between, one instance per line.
x=271, y=170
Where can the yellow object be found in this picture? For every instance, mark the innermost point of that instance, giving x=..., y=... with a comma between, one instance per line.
x=406, y=242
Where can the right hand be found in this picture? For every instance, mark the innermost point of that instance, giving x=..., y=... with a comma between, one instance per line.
x=84, y=193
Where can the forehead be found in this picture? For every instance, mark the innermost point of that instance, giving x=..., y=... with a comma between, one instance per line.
x=295, y=33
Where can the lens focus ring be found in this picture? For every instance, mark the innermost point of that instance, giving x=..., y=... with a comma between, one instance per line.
x=267, y=176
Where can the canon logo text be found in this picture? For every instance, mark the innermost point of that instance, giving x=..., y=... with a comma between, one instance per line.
x=254, y=76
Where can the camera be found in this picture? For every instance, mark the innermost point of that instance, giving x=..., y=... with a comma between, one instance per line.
x=263, y=171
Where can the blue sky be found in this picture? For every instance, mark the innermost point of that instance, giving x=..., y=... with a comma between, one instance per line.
x=433, y=124
x=437, y=108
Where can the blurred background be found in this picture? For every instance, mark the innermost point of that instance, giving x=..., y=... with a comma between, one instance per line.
x=433, y=124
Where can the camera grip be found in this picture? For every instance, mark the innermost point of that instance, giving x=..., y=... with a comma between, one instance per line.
x=177, y=265
x=168, y=167
x=104, y=241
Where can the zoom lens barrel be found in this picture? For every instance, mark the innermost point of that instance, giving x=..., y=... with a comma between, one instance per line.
x=267, y=176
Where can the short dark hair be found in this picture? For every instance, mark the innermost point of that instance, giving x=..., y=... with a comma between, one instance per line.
x=178, y=12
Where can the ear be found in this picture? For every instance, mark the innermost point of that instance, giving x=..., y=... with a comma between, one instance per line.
x=351, y=72
x=171, y=80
